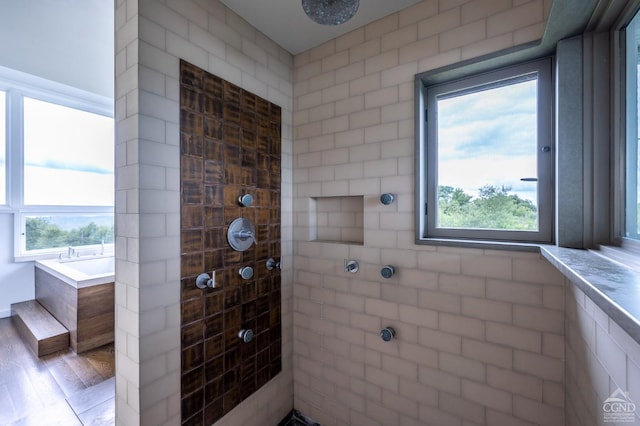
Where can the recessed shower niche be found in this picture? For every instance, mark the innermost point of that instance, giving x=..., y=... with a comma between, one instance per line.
x=229, y=170
x=337, y=219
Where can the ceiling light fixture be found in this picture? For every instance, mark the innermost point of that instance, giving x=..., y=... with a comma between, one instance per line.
x=330, y=12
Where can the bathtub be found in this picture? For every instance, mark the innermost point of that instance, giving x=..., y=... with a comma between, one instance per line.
x=79, y=293
x=81, y=272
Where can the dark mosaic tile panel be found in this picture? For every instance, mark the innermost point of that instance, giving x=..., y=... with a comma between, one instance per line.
x=192, y=357
x=188, y=290
x=191, y=216
x=213, y=411
x=194, y=380
x=192, y=333
x=191, y=310
x=191, y=241
x=230, y=146
x=212, y=85
x=214, y=367
x=212, y=129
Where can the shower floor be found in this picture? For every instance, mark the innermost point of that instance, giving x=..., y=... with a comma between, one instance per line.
x=70, y=388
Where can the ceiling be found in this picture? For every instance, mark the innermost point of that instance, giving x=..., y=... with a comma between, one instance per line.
x=284, y=21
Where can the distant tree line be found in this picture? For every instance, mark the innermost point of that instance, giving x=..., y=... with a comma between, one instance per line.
x=493, y=208
x=42, y=234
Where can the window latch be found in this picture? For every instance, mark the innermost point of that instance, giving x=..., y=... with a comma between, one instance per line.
x=529, y=179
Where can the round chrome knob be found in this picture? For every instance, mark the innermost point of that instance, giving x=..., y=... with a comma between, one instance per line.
x=204, y=280
x=246, y=272
x=387, y=334
x=387, y=198
x=241, y=234
x=245, y=200
x=272, y=264
x=246, y=335
x=387, y=271
x=351, y=266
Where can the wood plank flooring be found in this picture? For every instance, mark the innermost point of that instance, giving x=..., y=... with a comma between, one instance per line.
x=47, y=390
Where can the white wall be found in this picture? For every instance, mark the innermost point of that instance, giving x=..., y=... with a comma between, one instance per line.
x=67, y=41
x=16, y=279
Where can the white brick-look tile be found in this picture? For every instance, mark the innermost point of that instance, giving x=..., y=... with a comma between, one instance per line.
x=602, y=357
x=151, y=37
x=480, y=335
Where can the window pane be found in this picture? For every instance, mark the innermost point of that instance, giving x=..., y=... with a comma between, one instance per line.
x=3, y=148
x=487, y=164
x=64, y=230
x=632, y=224
x=68, y=156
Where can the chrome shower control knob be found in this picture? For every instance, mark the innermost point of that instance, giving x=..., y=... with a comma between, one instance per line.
x=204, y=280
x=246, y=272
x=351, y=266
x=246, y=335
x=387, y=271
x=387, y=198
x=272, y=264
x=245, y=200
x=241, y=234
x=387, y=334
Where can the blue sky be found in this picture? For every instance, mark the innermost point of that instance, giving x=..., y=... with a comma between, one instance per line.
x=489, y=137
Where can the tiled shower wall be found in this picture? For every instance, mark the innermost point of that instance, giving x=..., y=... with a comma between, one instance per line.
x=459, y=313
x=230, y=147
x=480, y=335
x=151, y=37
x=600, y=359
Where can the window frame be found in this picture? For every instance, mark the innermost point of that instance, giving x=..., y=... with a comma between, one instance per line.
x=426, y=146
x=628, y=129
x=17, y=86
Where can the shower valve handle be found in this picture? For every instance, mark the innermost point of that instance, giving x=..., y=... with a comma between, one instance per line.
x=244, y=234
x=273, y=264
x=204, y=281
x=241, y=234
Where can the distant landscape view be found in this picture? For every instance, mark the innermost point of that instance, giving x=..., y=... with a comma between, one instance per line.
x=44, y=232
x=494, y=208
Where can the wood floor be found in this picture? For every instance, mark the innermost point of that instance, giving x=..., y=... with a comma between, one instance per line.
x=59, y=389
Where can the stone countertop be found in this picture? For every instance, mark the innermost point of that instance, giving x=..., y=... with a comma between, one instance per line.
x=612, y=286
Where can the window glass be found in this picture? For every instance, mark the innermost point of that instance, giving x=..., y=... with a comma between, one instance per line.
x=487, y=165
x=3, y=148
x=64, y=230
x=487, y=156
x=68, y=156
x=632, y=204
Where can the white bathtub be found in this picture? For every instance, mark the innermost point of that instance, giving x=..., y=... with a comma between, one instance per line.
x=81, y=272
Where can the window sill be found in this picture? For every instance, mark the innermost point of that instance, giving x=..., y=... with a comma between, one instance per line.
x=612, y=286
x=479, y=244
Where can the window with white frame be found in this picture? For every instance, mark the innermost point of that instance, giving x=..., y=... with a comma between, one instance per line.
x=486, y=156
x=61, y=166
x=632, y=131
x=3, y=148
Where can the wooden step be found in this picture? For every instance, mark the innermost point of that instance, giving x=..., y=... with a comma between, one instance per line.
x=42, y=332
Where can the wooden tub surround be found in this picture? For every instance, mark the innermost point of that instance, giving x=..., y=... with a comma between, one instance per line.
x=38, y=328
x=88, y=312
